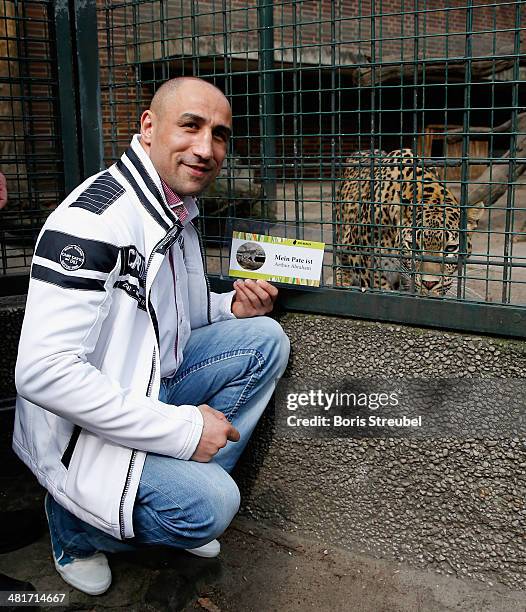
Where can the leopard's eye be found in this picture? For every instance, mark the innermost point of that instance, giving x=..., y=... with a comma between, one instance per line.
x=451, y=248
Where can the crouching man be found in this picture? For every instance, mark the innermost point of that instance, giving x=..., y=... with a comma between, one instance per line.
x=138, y=387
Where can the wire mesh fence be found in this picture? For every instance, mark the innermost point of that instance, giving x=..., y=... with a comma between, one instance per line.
x=323, y=95
x=30, y=151
x=392, y=131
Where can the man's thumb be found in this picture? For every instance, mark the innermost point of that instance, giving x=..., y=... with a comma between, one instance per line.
x=233, y=434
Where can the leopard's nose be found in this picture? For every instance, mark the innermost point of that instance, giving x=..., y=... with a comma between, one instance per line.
x=429, y=284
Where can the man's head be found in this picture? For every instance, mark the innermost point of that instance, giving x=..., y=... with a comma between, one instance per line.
x=185, y=132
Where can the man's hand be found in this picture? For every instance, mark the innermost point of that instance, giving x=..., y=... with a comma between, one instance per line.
x=253, y=298
x=3, y=191
x=216, y=431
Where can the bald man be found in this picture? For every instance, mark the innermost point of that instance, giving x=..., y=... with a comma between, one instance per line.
x=138, y=388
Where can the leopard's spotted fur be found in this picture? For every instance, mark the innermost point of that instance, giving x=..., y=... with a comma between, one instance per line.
x=385, y=240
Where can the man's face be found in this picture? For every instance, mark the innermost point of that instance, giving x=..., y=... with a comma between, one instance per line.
x=187, y=139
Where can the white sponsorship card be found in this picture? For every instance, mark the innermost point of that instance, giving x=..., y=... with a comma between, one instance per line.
x=282, y=260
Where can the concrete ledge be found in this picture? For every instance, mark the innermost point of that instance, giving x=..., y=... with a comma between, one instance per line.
x=457, y=507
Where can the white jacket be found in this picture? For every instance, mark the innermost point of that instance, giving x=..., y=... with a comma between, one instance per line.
x=88, y=373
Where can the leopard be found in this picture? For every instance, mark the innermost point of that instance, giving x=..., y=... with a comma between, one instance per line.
x=398, y=226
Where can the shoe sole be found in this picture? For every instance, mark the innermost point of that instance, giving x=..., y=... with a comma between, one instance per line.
x=197, y=553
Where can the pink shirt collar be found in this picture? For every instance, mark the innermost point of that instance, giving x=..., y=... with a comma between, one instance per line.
x=175, y=202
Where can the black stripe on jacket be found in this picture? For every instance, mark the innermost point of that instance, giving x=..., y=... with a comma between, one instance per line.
x=148, y=181
x=140, y=194
x=64, y=280
x=101, y=194
x=74, y=253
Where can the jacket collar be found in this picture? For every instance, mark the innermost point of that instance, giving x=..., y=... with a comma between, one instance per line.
x=137, y=168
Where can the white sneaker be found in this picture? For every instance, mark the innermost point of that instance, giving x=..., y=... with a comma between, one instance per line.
x=91, y=575
x=210, y=550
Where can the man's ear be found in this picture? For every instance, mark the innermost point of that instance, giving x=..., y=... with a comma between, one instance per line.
x=147, y=122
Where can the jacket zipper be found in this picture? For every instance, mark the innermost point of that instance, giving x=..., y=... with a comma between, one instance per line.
x=209, y=308
x=152, y=374
x=148, y=394
x=172, y=266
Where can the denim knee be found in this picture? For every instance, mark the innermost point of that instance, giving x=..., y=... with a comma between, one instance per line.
x=218, y=508
x=209, y=516
x=276, y=341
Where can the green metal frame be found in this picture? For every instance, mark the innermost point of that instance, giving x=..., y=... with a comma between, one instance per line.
x=311, y=83
x=267, y=101
x=79, y=89
x=89, y=86
x=491, y=319
x=67, y=94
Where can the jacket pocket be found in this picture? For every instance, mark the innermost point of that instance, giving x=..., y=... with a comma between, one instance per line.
x=66, y=457
x=95, y=480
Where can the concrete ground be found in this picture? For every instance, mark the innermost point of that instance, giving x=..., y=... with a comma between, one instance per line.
x=260, y=569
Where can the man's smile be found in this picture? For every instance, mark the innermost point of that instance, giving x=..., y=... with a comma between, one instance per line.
x=197, y=169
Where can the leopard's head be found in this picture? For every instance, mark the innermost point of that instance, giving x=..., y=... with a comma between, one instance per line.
x=429, y=218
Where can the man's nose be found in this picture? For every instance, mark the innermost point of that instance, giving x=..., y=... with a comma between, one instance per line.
x=203, y=144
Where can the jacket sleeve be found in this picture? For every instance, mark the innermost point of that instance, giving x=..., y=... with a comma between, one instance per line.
x=69, y=297
x=221, y=306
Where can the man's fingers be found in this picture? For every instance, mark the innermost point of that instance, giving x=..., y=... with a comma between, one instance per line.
x=265, y=291
x=233, y=434
x=219, y=415
x=270, y=289
x=256, y=295
x=264, y=296
x=260, y=295
x=250, y=297
x=217, y=430
x=232, y=431
x=241, y=296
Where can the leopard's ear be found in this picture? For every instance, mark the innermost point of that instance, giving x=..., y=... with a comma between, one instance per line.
x=474, y=214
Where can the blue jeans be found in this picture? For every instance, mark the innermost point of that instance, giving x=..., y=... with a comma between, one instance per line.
x=232, y=366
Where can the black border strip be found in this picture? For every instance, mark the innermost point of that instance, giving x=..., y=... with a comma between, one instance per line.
x=66, y=282
x=154, y=320
x=140, y=194
x=103, y=190
x=132, y=291
x=148, y=181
